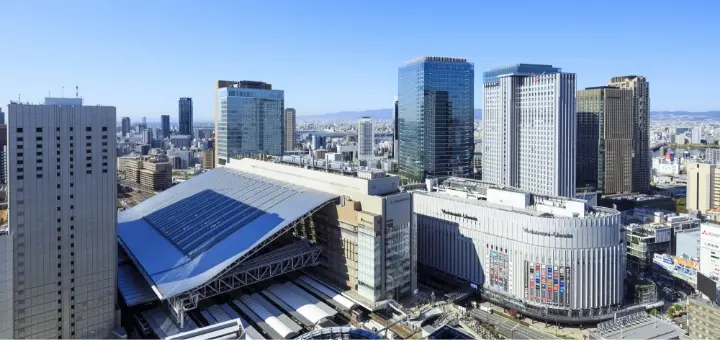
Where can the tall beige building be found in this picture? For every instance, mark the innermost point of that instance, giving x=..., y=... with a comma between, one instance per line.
x=604, y=143
x=640, y=130
x=703, y=186
x=289, y=129
x=207, y=159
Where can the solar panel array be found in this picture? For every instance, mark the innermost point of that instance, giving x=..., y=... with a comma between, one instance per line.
x=226, y=202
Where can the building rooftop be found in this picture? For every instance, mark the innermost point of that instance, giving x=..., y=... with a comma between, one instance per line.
x=188, y=234
x=515, y=200
x=441, y=59
x=637, y=327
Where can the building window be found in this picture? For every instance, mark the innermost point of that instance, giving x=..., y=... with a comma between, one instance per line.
x=104, y=128
x=88, y=128
x=19, y=130
x=38, y=129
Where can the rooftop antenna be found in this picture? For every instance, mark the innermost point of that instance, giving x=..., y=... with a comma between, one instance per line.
x=63, y=91
x=77, y=92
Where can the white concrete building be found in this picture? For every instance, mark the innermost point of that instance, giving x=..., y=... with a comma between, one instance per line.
x=710, y=250
x=696, y=135
x=546, y=253
x=530, y=144
x=366, y=139
x=290, y=138
x=62, y=221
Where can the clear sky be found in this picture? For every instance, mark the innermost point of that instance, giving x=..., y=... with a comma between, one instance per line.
x=330, y=56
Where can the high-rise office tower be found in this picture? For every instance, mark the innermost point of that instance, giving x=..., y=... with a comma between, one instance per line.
x=395, y=129
x=529, y=129
x=2, y=116
x=696, y=135
x=604, y=139
x=165, y=125
x=125, y=129
x=641, y=128
x=435, y=117
x=185, y=112
x=703, y=186
x=62, y=220
x=147, y=136
x=3, y=154
x=142, y=126
x=249, y=120
x=290, y=129
x=366, y=138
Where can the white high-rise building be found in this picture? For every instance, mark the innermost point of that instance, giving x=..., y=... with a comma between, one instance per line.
x=290, y=124
x=696, y=137
x=59, y=253
x=366, y=138
x=529, y=127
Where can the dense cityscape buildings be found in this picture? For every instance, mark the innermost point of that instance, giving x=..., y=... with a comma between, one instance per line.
x=290, y=125
x=530, y=145
x=185, y=116
x=641, y=128
x=250, y=120
x=435, y=116
x=63, y=221
x=604, y=139
x=425, y=222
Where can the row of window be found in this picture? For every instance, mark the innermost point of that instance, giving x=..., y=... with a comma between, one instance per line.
x=87, y=128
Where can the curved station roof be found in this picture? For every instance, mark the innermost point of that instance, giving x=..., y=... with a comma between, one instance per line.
x=183, y=237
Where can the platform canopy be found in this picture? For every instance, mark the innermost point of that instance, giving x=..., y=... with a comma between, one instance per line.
x=185, y=236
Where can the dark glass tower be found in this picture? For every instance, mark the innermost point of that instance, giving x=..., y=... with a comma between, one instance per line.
x=435, y=118
x=165, y=124
x=185, y=111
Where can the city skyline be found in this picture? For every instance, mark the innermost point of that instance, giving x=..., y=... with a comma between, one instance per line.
x=155, y=53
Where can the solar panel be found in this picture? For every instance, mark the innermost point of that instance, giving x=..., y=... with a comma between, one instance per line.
x=209, y=213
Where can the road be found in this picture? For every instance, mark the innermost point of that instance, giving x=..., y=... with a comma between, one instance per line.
x=506, y=326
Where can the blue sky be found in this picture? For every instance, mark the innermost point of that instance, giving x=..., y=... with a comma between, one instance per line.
x=329, y=56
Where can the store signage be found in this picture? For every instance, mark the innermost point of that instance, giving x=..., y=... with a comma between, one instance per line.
x=467, y=217
x=545, y=233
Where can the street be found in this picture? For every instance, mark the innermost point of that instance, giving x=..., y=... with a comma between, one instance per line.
x=510, y=328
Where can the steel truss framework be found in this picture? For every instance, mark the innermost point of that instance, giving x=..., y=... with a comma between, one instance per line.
x=246, y=271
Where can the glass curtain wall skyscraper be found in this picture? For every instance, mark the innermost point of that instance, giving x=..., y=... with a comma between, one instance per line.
x=250, y=120
x=435, y=118
x=165, y=125
x=185, y=112
x=529, y=128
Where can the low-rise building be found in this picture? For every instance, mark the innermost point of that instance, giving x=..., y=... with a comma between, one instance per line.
x=207, y=159
x=153, y=172
x=643, y=242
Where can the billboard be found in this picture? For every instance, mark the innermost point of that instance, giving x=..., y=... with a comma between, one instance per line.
x=681, y=268
x=707, y=286
x=547, y=283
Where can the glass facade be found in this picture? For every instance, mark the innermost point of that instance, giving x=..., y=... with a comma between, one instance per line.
x=250, y=122
x=435, y=118
x=185, y=112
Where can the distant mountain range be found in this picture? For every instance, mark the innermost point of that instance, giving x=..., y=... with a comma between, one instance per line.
x=387, y=114
x=355, y=115
x=685, y=114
